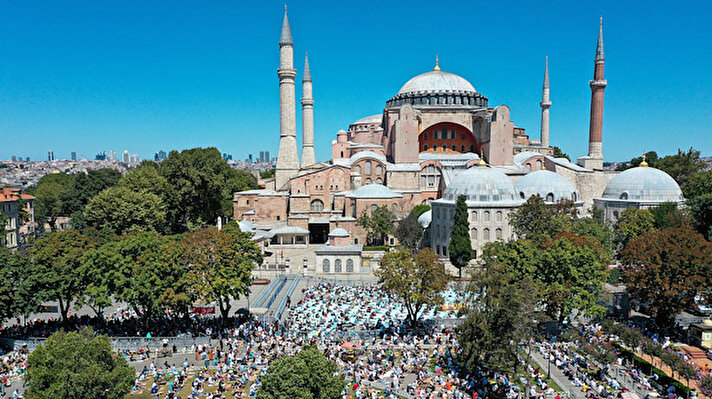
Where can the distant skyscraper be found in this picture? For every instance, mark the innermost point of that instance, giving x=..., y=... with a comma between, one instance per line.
x=50, y=155
x=14, y=158
x=28, y=159
x=112, y=155
x=126, y=157
x=74, y=155
x=267, y=158
x=100, y=156
x=262, y=156
x=250, y=158
x=160, y=156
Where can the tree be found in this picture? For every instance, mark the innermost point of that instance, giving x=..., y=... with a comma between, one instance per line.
x=147, y=179
x=460, y=247
x=85, y=186
x=560, y=154
x=698, y=184
x=593, y=226
x=416, y=280
x=56, y=265
x=18, y=293
x=419, y=210
x=123, y=210
x=667, y=269
x=220, y=265
x=498, y=318
x=409, y=232
x=538, y=221
x=205, y=183
x=682, y=165
x=667, y=215
x=701, y=210
x=308, y=374
x=632, y=223
x=651, y=157
x=378, y=225
x=78, y=365
x=267, y=174
x=48, y=198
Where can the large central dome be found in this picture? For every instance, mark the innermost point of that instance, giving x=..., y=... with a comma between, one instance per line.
x=437, y=81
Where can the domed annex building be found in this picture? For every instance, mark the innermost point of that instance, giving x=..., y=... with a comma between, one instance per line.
x=428, y=144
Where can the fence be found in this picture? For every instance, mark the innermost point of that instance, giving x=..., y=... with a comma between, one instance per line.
x=117, y=343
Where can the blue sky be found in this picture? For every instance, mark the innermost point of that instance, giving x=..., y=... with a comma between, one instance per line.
x=90, y=76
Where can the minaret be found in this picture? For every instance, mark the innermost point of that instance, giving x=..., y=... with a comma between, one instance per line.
x=287, y=158
x=595, y=129
x=545, y=104
x=308, y=157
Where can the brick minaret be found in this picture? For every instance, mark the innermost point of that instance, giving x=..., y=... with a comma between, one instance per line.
x=545, y=104
x=308, y=157
x=287, y=158
x=594, y=160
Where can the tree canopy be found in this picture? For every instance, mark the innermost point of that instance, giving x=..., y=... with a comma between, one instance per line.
x=123, y=210
x=78, y=365
x=538, y=221
x=460, y=247
x=306, y=375
x=378, y=224
x=409, y=232
x=631, y=223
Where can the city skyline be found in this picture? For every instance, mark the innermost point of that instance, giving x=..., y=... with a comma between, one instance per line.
x=71, y=107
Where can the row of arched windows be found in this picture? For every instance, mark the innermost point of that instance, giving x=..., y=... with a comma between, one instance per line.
x=368, y=168
x=486, y=234
x=338, y=266
x=487, y=216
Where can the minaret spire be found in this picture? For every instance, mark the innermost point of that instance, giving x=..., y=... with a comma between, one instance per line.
x=594, y=160
x=287, y=158
x=545, y=104
x=308, y=157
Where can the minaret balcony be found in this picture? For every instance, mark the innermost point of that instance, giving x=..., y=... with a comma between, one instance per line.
x=598, y=83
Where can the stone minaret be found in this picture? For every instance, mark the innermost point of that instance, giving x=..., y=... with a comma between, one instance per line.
x=545, y=104
x=287, y=158
x=595, y=129
x=308, y=157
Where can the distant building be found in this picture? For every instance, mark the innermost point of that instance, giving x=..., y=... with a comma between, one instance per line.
x=14, y=158
x=226, y=156
x=27, y=159
x=10, y=207
x=262, y=156
x=112, y=155
x=100, y=156
x=267, y=158
x=160, y=156
x=74, y=156
x=50, y=155
x=250, y=158
x=126, y=157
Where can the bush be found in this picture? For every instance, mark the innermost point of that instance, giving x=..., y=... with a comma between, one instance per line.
x=376, y=248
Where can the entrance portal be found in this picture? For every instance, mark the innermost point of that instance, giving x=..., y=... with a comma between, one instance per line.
x=318, y=233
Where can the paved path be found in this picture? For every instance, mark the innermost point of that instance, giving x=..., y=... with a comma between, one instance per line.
x=558, y=376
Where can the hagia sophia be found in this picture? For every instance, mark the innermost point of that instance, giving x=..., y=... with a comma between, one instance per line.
x=437, y=138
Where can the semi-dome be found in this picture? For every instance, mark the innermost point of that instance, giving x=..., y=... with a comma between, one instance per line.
x=374, y=191
x=550, y=186
x=437, y=81
x=482, y=185
x=643, y=184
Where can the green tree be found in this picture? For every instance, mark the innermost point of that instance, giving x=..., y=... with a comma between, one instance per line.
x=18, y=286
x=698, y=184
x=78, y=365
x=419, y=210
x=538, y=221
x=701, y=211
x=593, y=226
x=219, y=265
x=205, y=183
x=460, y=247
x=416, y=280
x=409, y=232
x=147, y=179
x=378, y=225
x=267, y=174
x=123, y=210
x=667, y=215
x=307, y=375
x=85, y=186
x=682, y=166
x=667, y=269
x=498, y=318
x=651, y=157
x=560, y=154
x=57, y=261
x=48, y=198
x=632, y=223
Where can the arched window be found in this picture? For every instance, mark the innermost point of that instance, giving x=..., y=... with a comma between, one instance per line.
x=486, y=234
x=487, y=217
x=373, y=208
x=521, y=194
x=435, y=147
x=624, y=196
x=367, y=169
x=425, y=136
x=425, y=147
x=538, y=164
x=394, y=209
x=550, y=197
x=615, y=214
x=473, y=234
x=349, y=266
x=529, y=166
x=474, y=216
x=353, y=210
x=498, y=234
x=498, y=216
x=379, y=181
x=462, y=148
x=317, y=205
x=574, y=196
x=454, y=147
x=379, y=170
x=337, y=266
x=326, y=266
x=368, y=181
x=357, y=169
x=342, y=154
x=472, y=148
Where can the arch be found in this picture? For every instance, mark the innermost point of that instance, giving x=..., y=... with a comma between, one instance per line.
x=474, y=216
x=379, y=170
x=317, y=205
x=574, y=196
x=446, y=137
x=473, y=234
x=498, y=216
x=379, y=181
x=521, y=195
x=624, y=195
x=498, y=234
x=349, y=266
x=367, y=168
x=373, y=208
x=430, y=176
x=486, y=234
x=368, y=181
x=326, y=266
x=357, y=169
x=337, y=266
x=394, y=209
x=538, y=164
x=486, y=217
x=550, y=197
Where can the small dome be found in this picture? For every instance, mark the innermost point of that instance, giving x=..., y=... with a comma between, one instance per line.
x=374, y=191
x=246, y=226
x=342, y=131
x=435, y=81
x=482, y=185
x=643, y=184
x=369, y=120
x=425, y=219
x=550, y=186
x=339, y=232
